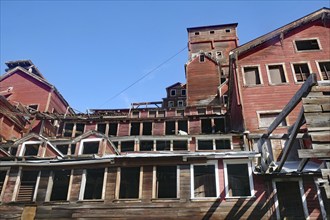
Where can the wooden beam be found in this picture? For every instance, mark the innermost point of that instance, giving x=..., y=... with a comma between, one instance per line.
x=302, y=92
x=313, y=153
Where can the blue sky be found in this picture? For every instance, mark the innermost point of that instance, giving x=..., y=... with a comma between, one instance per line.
x=92, y=50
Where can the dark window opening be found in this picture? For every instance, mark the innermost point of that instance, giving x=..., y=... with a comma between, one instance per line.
x=227, y=30
x=183, y=92
x=325, y=70
x=63, y=148
x=223, y=79
x=206, y=126
x=60, y=188
x=251, y=75
x=73, y=149
x=27, y=186
x=79, y=129
x=68, y=129
x=166, y=183
x=129, y=182
x=135, y=114
x=152, y=114
x=238, y=180
x=301, y=71
x=161, y=113
x=180, y=145
x=135, y=128
x=173, y=92
x=91, y=147
x=219, y=125
x=201, y=58
x=146, y=145
x=2, y=179
x=169, y=127
x=222, y=144
x=204, y=181
x=276, y=73
x=94, y=184
x=205, y=144
x=147, y=128
x=180, y=112
x=13, y=151
x=127, y=146
x=113, y=129
x=219, y=54
x=201, y=111
x=163, y=145
x=183, y=125
x=101, y=127
x=196, y=33
x=211, y=32
x=303, y=45
x=31, y=149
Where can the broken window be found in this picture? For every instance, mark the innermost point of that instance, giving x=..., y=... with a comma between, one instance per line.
x=63, y=148
x=13, y=150
x=68, y=129
x=206, y=126
x=146, y=145
x=205, y=144
x=173, y=92
x=183, y=125
x=219, y=125
x=94, y=184
x=127, y=146
x=211, y=32
x=180, y=145
x=170, y=104
x=135, y=128
x=163, y=145
x=196, y=33
x=101, y=127
x=325, y=70
x=221, y=144
x=204, y=184
x=252, y=76
x=301, y=71
x=218, y=54
x=79, y=129
x=201, y=111
x=266, y=119
x=31, y=149
x=27, y=186
x=183, y=92
x=113, y=129
x=169, y=127
x=238, y=182
x=152, y=114
x=129, y=182
x=61, y=179
x=303, y=45
x=147, y=128
x=179, y=112
x=3, y=174
x=166, y=182
x=201, y=58
x=276, y=74
x=91, y=147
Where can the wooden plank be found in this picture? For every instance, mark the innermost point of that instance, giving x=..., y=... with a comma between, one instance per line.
x=312, y=153
x=325, y=173
x=312, y=108
x=323, y=136
x=325, y=107
x=315, y=94
x=321, y=89
x=318, y=146
x=318, y=119
x=318, y=100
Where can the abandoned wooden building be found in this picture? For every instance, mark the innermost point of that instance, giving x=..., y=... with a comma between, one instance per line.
x=245, y=137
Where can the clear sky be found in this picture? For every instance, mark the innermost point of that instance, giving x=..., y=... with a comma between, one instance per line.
x=93, y=50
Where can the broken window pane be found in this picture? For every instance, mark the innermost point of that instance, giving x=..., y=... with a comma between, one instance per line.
x=222, y=144
x=113, y=129
x=166, y=182
x=180, y=145
x=60, y=187
x=303, y=45
x=90, y=147
x=27, y=186
x=135, y=128
x=169, y=127
x=31, y=149
x=163, y=145
x=146, y=145
x=204, y=181
x=325, y=70
x=127, y=146
x=129, y=182
x=251, y=76
x=94, y=184
x=276, y=74
x=301, y=71
x=147, y=128
x=238, y=180
x=205, y=144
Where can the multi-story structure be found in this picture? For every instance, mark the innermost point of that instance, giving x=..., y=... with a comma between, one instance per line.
x=156, y=160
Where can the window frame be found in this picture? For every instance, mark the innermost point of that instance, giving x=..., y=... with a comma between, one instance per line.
x=192, y=185
x=174, y=92
x=250, y=175
x=307, y=39
x=319, y=69
x=184, y=91
x=83, y=185
x=180, y=105
x=154, y=185
x=81, y=145
x=18, y=185
x=214, y=142
x=294, y=73
x=50, y=186
x=284, y=72
x=260, y=75
x=23, y=148
x=118, y=181
x=170, y=104
x=278, y=111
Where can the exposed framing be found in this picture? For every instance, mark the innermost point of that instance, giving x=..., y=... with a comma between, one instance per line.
x=22, y=149
x=18, y=183
x=81, y=145
x=5, y=181
x=118, y=180
x=51, y=184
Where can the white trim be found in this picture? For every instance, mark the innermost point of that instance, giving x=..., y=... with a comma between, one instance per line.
x=105, y=176
x=36, y=187
x=81, y=145
x=22, y=150
x=70, y=185
x=284, y=71
x=294, y=73
x=260, y=75
x=318, y=67
x=192, y=185
x=82, y=185
x=250, y=175
x=2, y=192
x=141, y=182
x=307, y=39
x=265, y=112
x=50, y=186
x=154, y=181
x=171, y=92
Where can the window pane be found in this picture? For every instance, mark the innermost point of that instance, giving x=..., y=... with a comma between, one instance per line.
x=166, y=183
x=127, y=146
x=302, y=71
x=205, y=144
x=146, y=145
x=163, y=145
x=307, y=45
x=204, y=181
x=113, y=129
x=238, y=180
x=129, y=182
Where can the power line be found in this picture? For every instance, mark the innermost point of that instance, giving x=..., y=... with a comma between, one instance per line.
x=144, y=76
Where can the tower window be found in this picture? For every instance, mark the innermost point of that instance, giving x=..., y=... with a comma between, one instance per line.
x=211, y=32
x=227, y=30
x=202, y=58
x=196, y=33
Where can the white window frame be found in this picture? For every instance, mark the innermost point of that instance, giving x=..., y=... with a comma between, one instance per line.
x=173, y=90
x=213, y=142
x=318, y=67
x=260, y=75
x=51, y=184
x=118, y=180
x=180, y=105
x=306, y=39
x=250, y=174
x=302, y=194
x=278, y=111
x=83, y=185
x=81, y=145
x=294, y=73
x=192, y=185
x=22, y=150
x=284, y=70
x=154, y=179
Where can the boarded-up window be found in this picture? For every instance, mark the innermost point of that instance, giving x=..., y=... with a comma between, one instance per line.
x=60, y=187
x=301, y=71
x=180, y=145
x=127, y=146
x=289, y=200
x=27, y=186
x=68, y=129
x=163, y=145
x=251, y=76
x=147, y=128
x=31, y=149
x=2, y=179
x=206, y=126
x=129, y=182
x=79, y=129
x=238, y=180
x=90, y=147
x=146, y=145
x=325, y=70
x=303, y=45
x=204, y=181
x=101, y=127
x=169, y=127
x=94, y=184
x=266, y=119
x=221, y=144
x=166, y=182
x=276, y=74
x=135, y=128
x=205, y=144
x=113, y=129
